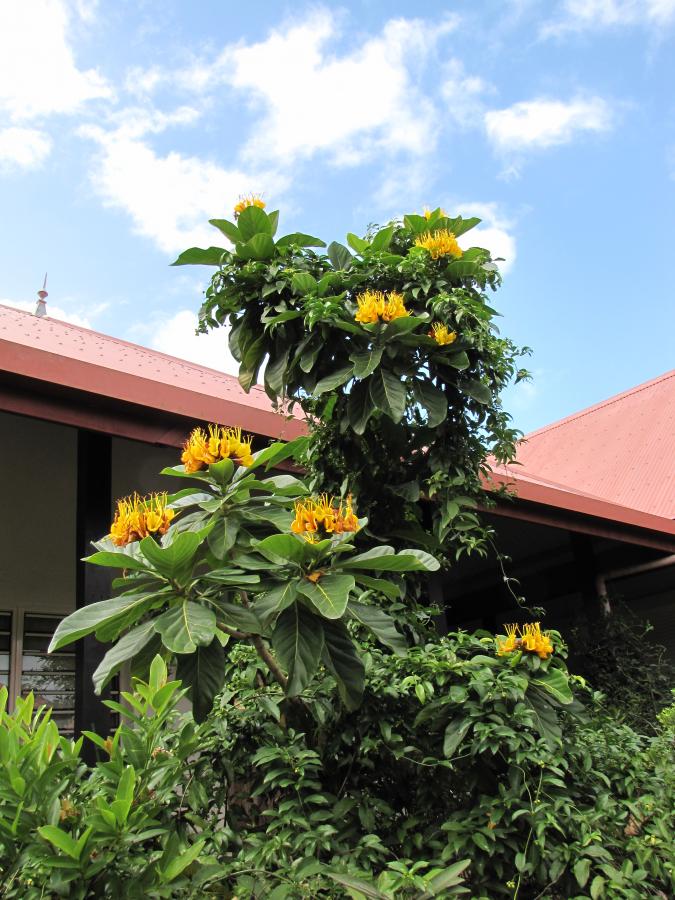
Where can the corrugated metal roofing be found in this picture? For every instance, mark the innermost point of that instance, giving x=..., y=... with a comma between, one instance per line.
x=76, y=357
x=621, y=450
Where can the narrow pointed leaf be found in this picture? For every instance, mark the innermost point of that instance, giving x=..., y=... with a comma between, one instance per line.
x=126, y=648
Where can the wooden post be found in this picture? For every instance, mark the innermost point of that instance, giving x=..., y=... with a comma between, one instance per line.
x=93, y=583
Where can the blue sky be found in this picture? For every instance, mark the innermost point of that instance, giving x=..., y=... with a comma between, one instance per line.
x=125, y=125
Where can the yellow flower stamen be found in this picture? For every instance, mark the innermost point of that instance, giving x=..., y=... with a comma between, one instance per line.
x=137, y=517
x=202, y=449
x=529, y=639
x=441, y=334
x=376, y=306
x=439, y=243
x=317, y=519
x=245, y=202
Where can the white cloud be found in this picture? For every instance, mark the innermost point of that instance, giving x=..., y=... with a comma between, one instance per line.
x=540, y=123
x=53, y=312
x=464, y=94
x=38, y=73
x=169, y=198
x=23, y=148
x=350, y=106
x=579, y=15
x=176, y=336
x=494, y=233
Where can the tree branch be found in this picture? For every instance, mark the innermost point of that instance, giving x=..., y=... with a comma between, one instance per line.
x=264, y=652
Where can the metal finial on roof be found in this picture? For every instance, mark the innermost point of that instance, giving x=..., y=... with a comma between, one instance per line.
x=41, y=307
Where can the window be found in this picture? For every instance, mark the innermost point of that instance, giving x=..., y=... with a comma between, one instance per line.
x=26, y=666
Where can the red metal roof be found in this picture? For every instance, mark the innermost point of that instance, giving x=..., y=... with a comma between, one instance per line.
x=78, y=358
x=621, y=451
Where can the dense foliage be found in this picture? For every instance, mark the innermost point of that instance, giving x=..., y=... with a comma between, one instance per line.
x=336, y=745
x=391, y=351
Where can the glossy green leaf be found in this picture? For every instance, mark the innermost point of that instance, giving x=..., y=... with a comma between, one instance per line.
x=60, y=839
x=357, y=244
x=195, y=256
x=459, y=226
x=382, y=239
x=341, y=658
x=383, y=559
x=203, y=672
x=477, y=391
x=303, y=283
x=360, y=407
x=448, y=878
x=557, y=684
x=283, y=548
x=260, y=246
x=433, y=400
x=254, y=221
x=330, y=382
x=339, y=256
x=126, y=648
x=455, y=733
x=268, y=605
x=185, y=627
x=229, y=229
x=582, y=870
x=115, y=560
x=298, y=641
x=300, y=240
x=381, y=624
x=172, y=561
x=180, y=862
x=388, y=393
x=329, y=595
x=366, y=361
x=241, y=618
x=87, y=619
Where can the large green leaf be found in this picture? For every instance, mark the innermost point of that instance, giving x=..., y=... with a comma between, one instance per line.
x=360, y=407
x=195, y=256
x=557, y=684
x=229, y=229
x=260, y=246
x=448, y=878
x=357, y=244
x=87, y=619
x=382, y=585
x=341, y=658
x=185, y=627
x=203, y=672
x=303, y=283
x=383, y=559
x=383, y=238
x=357, y=886
x=381, y=624
x=433, y=400
x=126, y=648
x=330, y=382
x=241, y=618
x=339, y=256
x=459, y=226
x=298, y=642
x=115, y=560
x=388, y=393
x=268, y=605
x=300, y=239
x=476, y=390
x=253, y=221
x=175, y=560
x=251, y=361
x=455, y=733
x=329, y=594
x=283, y=548
x=366, y=361
x=416, y=224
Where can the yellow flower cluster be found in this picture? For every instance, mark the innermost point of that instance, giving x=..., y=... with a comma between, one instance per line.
x=244, y=202
x=317, y=519
x=439, y=243
x=528, y=638
x=441, y=334
x=137, y=517
x=202, y=449
x=376, y=306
